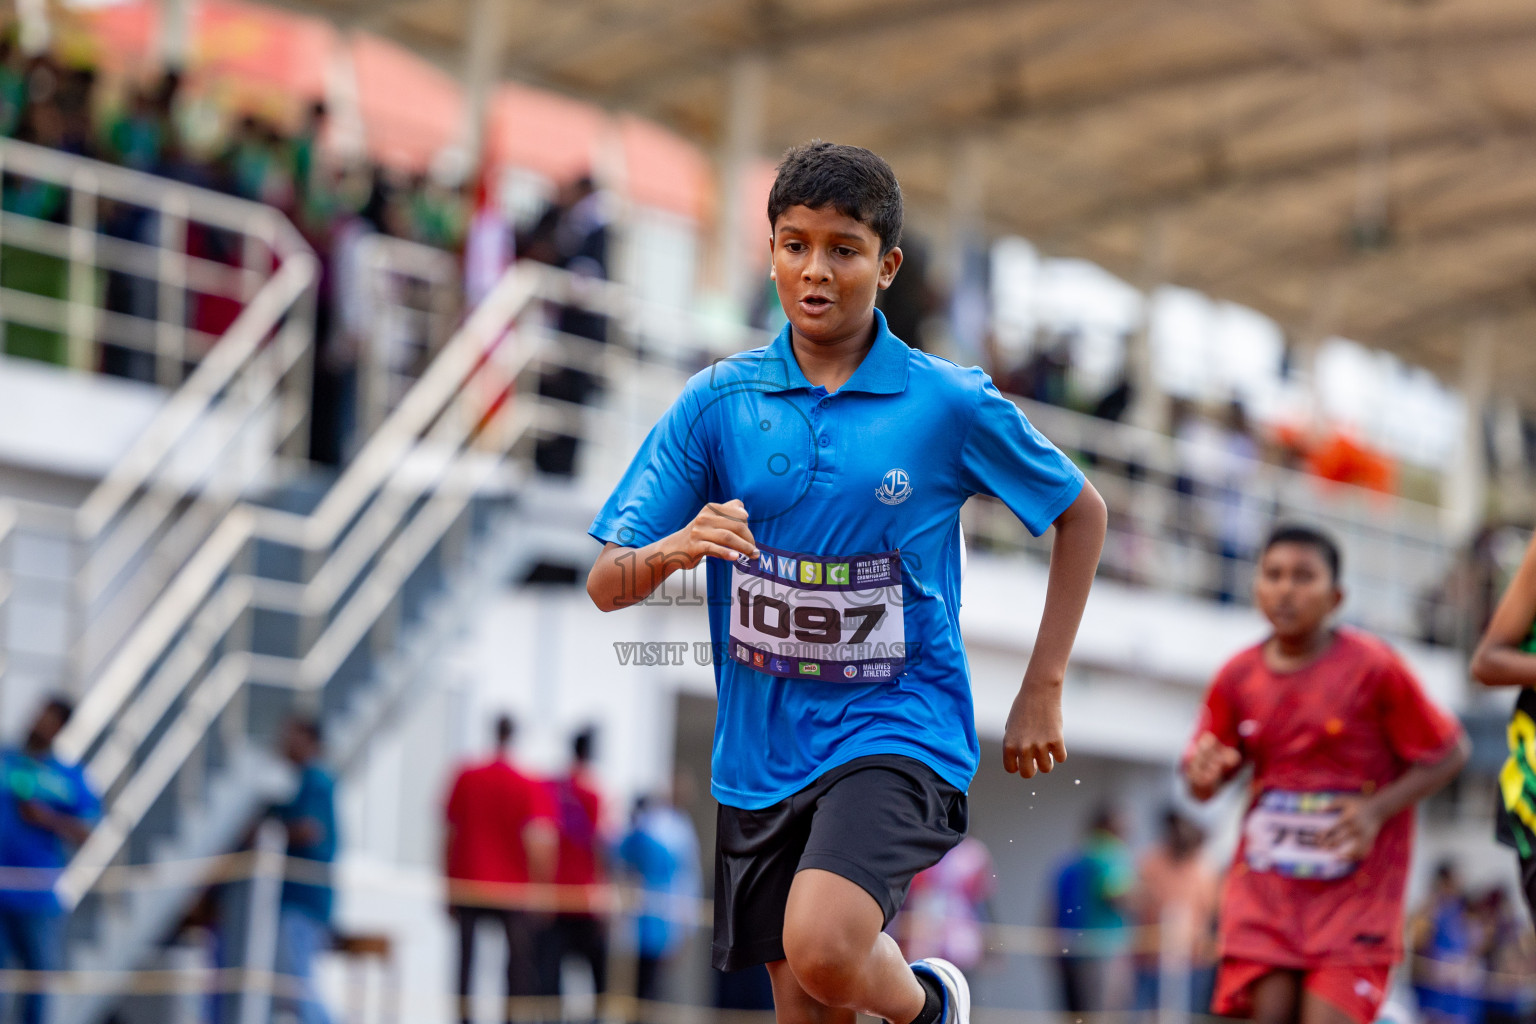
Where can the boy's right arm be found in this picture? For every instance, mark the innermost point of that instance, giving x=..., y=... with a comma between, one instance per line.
x=623, y=576
x=1209, y=765
x=1499, y=659
x=1213, y=757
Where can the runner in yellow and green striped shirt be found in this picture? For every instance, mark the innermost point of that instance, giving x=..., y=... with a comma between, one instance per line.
x=1506, y=656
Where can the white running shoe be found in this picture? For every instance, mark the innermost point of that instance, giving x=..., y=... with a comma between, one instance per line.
x=957, y=992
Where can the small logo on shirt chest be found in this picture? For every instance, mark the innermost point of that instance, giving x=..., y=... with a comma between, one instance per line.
x=895, y=487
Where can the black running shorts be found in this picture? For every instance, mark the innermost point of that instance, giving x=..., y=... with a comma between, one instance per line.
x=876, y=821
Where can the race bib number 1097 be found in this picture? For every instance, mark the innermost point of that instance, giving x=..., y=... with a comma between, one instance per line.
x=825, y=617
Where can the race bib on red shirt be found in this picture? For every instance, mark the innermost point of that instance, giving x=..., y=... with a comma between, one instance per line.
x=833, y=618
x=1284, y=831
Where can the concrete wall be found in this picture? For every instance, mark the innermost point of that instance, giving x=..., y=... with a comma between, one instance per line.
x=66, y=423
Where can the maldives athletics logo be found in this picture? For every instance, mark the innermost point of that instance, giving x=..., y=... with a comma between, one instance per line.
x=895, y=487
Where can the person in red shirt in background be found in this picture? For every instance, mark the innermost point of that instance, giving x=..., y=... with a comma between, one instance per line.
x=579, y=870
x=1343, y=743
x=500, y=835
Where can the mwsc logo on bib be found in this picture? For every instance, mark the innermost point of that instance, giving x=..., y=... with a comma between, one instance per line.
x=895, y=487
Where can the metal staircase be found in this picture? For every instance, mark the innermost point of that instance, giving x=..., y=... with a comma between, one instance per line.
x=334, y=610
x=74, y=581
x=212, y=584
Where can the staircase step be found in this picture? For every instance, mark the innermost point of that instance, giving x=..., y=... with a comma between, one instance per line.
x=247, y=776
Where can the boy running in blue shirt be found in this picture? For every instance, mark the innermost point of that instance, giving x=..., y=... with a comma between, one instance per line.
x=823, y=477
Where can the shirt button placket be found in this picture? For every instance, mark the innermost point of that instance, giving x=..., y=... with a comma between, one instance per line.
x=823, y=439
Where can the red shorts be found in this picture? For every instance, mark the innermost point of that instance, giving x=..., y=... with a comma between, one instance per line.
x=1356, y=990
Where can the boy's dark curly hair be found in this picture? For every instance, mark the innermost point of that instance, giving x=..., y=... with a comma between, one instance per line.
x=851, y=180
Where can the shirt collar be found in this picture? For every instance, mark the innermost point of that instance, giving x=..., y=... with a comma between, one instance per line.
x=883, y=371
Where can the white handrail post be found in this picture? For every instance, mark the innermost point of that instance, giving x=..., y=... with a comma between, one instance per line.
x=259, y=976
x=234, y=722
x=372, y=364
x=299, y=330
x=1175, y=928
x=76, y=615
x=172, y=295
x=82, y=271
x=8, y=517
x=2, y=243
x=251, y=252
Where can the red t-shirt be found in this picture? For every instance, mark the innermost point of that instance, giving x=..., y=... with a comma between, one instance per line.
x=578, y=814
x=488, y=808
x=1352, y=721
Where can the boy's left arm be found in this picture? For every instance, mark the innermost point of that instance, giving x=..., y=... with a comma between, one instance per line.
x=1431, y=742
x=1032, y=738
x=72, y=829
x=1355, y=832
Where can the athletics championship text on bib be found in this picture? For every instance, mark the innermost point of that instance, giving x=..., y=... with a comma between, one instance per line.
x=1284, y=834
x=834, y=618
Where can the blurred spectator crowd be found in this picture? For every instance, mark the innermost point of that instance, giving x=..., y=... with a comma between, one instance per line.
x=155, y=127
x=1187, y=515
x=1127, y=924
x=1473, y=955
x=537, y=858
x=510, y=837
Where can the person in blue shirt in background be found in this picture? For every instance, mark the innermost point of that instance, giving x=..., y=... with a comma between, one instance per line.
x=46, y=809
x=819, y=479
x=662, y=850
x=1093, y=887
x=304, y=919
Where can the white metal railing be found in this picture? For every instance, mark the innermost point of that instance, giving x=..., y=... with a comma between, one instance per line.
x=172, y=688
x=179, y=688
x=412, y=297
x=1189, y=520
x=1182, y=519
x=239, y=410
x=175, y=251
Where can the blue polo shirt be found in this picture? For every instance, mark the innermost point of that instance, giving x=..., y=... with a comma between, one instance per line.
x=58, y=786
x=315, y=800
x=882, y=464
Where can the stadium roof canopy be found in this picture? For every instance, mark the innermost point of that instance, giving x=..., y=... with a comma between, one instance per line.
x=1355, y=167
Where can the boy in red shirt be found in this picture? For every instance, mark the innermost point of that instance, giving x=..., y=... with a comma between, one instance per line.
x=1343, y=742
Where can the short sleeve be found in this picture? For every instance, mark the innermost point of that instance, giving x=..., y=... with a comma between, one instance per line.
x=291, y=810
x=87, y=806
x=323, y=805
x=539, y=801
x=667, y=482
x=1219, y=714
x=1119, y=875
x=453, y=810
x=1416, y=728
x=312, y=801
x=1005, y=456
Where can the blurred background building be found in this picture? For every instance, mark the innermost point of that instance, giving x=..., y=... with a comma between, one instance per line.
x=327, y=326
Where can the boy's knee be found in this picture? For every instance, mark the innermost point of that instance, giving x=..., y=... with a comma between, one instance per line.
x=826, y=959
